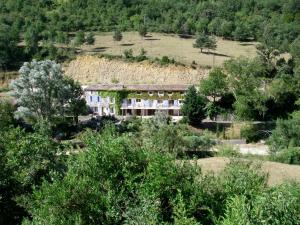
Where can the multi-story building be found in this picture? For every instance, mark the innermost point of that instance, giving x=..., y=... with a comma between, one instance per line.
x=135, y=100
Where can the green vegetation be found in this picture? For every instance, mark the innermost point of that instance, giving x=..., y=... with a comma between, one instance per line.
x=203, y=41
x=44, y=94
x=140, y=172
x=193, y=107
x=117, y=35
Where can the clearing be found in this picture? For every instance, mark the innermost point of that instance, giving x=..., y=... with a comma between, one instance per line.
x=278, y=172
x=171, y=45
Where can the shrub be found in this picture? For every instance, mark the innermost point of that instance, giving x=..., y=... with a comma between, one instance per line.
x=279, y=205
x=228, y=151
x=128, y=54
x=90, y=39
x=199, y=142
x=289, y=156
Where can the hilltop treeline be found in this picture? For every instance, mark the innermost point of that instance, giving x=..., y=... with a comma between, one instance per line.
x=275, y=22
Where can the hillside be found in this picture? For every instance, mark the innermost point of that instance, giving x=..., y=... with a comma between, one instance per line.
x=91, y=70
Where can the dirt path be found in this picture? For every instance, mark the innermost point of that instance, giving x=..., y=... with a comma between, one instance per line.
x=278, y=172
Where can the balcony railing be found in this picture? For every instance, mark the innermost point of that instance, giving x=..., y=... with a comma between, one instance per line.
x=151, y=104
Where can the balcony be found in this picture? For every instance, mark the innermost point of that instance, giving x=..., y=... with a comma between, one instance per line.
x=150, y=104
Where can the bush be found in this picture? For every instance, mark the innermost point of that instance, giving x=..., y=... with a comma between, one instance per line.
x=289, y=156
x=202, y=142
x=228, y=151
x=279, y=205
x=128, y=54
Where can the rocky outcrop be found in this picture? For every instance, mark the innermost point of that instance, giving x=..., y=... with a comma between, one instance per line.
x=92, y=70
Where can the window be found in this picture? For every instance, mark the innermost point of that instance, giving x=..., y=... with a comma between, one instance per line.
x=180, y=101
x=160, y=93
x=170, y=93
x=91, y=98
x=138, y=100
x=138, y=93
x=150, y=93
x=171, y=102
x=129, y=101
x=182, y=93
x=98, y=98
x=160, y=101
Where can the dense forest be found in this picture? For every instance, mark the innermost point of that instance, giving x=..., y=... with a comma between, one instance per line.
x=272, y=22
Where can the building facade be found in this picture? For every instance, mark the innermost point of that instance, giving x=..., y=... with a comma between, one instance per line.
x=135, y=100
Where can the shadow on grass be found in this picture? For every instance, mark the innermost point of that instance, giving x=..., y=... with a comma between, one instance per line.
x=215, y=53
x=127, y=44
x=99, y=49
x=151, y=39
x=246, y=44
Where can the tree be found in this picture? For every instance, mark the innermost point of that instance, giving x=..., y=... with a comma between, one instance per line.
x=74, y=103
x=26, y=159
x=117, y=35
x=6, y=114
x=215, y=86
x=143, y=30
x=8, y=46
x=247, y=84
x=201, y=41
x=90, y=39
x=226, y=29
x=32, y=37
x=211, y=43
x=286, y=134
x=193, y=107
x=204, y=41
x=40, y=92
x=79, y=38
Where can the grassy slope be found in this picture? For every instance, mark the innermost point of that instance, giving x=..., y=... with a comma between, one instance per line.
x=158, y=45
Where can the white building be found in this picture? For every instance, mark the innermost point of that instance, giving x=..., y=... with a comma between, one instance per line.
x=135, y=100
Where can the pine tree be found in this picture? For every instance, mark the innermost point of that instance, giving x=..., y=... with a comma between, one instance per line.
x=193, y=107
x=117, y=35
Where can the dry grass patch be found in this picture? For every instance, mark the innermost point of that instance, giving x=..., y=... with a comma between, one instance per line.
x=278, y=172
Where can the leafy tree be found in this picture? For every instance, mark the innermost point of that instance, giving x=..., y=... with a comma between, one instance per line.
x=40, y=92
x=201, y=41
x=215, y=84
x=204, y=41
x=72, y=95
x=6, y=114
x=62, y=37
x=226, y=29
x=26, y=160
x=215, y=87
x=246, y=82
x=32, y=37
x=117, y=35
x=143, y=30
x=286, y=133
x=8, y=46
x=193, y=107
x=79, y=38
x=90, y=39
x=242, y=32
